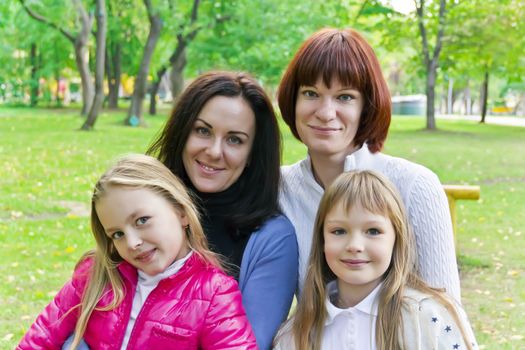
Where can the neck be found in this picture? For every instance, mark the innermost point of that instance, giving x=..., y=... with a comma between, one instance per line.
x=350, y=296
x=327, y=167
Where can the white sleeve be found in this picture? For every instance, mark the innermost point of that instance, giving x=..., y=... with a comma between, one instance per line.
x=440, y=331
x=429, y=216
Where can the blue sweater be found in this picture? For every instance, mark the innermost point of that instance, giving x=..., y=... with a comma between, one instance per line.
x=268, y=277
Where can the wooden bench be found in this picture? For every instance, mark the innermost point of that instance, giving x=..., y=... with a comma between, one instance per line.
x=455, y=192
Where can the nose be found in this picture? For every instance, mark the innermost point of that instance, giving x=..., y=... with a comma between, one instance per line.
x=327, y=110
x=214, y=149
x=354, y=244
x=133, y=239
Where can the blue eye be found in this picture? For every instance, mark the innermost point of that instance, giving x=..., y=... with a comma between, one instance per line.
x=117, y=235
x=234, y=140
x=200, y=130
x=373, y=232
x=142, y=220
x=346, y=97
x=309, y=93
x=338, y=232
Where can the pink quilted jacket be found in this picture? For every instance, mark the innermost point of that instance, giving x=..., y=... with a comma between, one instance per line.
x=199, y=307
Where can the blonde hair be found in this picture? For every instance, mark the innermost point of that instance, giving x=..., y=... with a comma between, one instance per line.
x=132, y=171
x=376, y=194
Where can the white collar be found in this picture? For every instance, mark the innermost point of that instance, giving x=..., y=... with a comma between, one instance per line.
x=145, y=279
x=360, y=159
x=368, y=305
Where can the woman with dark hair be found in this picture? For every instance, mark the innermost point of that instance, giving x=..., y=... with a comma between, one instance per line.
x=335, y=100
x=223, y=141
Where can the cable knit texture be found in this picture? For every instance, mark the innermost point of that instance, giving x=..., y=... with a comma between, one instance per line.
x=422, y=194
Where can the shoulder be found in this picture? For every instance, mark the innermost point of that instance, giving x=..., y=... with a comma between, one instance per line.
x=209, y=279
x=435, y=323
x=276, y=230
x=294, y=172
x=396, y=167
x=277, y=223
x=411, y=179
x=82, y=272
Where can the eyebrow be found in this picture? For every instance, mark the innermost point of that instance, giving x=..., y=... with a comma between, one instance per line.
x=229, y=132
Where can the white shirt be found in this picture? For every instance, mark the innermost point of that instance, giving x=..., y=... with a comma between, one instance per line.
x=353, y=328
x=145, y=285
x=427, y=324
x=423, y=197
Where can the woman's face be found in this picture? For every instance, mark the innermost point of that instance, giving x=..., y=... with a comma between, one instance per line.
x=219, y=145
x=327, y=119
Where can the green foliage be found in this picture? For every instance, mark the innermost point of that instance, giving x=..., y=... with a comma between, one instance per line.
x=49, y=168
x=261, y=36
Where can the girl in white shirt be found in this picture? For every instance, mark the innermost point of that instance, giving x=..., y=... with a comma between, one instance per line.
x=362, y=290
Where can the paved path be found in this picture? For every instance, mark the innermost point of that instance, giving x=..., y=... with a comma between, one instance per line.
x=490, y=119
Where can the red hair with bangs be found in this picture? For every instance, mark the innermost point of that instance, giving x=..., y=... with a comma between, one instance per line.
x=344, y=55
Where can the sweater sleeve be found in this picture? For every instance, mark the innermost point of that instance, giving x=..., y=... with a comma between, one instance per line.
x=271, y=281
x=226, y=325
x=57, y=322
x=438, y=330
x=429, y=216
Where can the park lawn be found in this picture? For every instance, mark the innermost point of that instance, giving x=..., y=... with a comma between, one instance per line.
x=48, y=169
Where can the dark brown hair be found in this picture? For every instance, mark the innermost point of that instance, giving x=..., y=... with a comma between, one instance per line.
x=258, y=184
x=344, y=55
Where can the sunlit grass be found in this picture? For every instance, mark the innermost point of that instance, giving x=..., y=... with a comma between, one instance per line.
x=48, y=169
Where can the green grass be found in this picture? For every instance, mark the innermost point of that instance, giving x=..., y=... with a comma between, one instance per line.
x=49, y=167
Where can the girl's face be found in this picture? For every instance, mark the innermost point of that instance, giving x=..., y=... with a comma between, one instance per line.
x=358, y=248
x=147, y=231
x=327, y=119
x=219, y=145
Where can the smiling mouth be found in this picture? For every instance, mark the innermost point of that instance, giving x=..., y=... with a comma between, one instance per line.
x=208, y=168
x=354, y=262
x=323, y=129
x=146, y=256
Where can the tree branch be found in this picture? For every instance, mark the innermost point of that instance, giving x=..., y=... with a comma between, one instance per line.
x=360, y=12
x=441, y=25
x=46, y=21
x=424, y=41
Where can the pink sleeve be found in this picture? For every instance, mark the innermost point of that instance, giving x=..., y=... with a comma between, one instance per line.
x=52, y=327
x=226, y=325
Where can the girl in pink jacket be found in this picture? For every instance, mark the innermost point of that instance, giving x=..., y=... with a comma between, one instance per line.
x=151, y=282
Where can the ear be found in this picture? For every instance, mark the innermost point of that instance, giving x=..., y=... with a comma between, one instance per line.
x=184, y=221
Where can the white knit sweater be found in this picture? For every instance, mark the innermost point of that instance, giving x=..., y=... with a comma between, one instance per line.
x=422, y=194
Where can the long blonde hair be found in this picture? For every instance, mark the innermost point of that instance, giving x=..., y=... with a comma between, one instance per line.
x=132, y=171
x=376, y=194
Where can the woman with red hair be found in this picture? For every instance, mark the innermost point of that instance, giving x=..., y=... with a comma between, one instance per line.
x=335, y=100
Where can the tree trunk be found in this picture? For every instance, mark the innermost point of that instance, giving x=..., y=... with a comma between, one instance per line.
x=431, y=61
x=430, y=91
x=484, y=97
x=99, y=69
x=34, y=82
x=468, y=99
x=450, y=96
x=113, y=74
x=177, y=73
x=80, y=42
x=155, y=90
x=88, y=90
x=135, y=116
